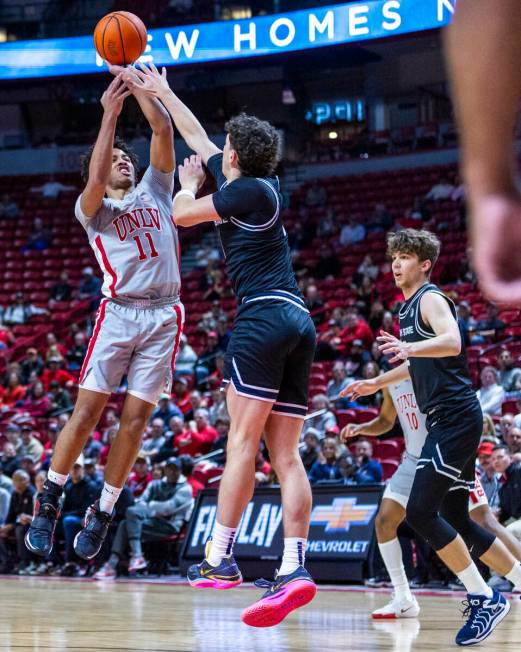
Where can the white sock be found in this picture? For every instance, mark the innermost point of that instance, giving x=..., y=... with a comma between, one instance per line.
x=514, y=575
x=294, y=555
x=109, y=497
x=222, y=543
x=473, y=582
x=391, y=552
x=57, y=478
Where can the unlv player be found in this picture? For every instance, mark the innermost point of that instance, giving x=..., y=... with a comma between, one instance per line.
x=399, y=400
x=139, y=320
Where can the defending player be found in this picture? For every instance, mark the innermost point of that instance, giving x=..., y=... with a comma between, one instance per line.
x=431, y=351
x=486, y=86
x=399, y=400
x=272, y=346
x=139, y=320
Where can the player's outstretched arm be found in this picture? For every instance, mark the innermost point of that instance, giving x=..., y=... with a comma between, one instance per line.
x=101, y=160
x=373, y=385
x=162, y=153
x=187, y=210
x=150, y=81
x=379, y=426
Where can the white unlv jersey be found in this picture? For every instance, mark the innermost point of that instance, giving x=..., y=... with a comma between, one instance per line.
x=411, y=419
x=135, y=240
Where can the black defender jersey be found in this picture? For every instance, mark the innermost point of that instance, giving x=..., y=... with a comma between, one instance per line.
x=436, y=381
x=252, y=236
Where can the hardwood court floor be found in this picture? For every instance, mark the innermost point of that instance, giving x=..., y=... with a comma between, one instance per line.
x=86, y=616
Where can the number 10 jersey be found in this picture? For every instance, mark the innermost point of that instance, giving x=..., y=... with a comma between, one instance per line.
x=135, y=240
x=411, y=419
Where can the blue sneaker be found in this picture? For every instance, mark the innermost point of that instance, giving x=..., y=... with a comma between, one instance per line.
x=39, y=537
x=88, y=541
x=285, y=594
x=484, y=615
x=204, y=576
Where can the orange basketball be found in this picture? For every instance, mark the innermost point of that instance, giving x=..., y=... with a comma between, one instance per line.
x=120, y=37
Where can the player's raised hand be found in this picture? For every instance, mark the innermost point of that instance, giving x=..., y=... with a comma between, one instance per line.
x=147, y=79
x=360, y=388
x=192, y=174
x=350, y=431
x=113, y=98
x=391, y=345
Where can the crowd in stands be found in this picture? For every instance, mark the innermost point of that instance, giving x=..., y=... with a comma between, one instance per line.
x=339, y=257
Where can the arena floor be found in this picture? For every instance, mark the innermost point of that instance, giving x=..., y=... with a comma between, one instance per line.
x=86, y=616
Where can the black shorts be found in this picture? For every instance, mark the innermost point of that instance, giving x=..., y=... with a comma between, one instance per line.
x=271, y=350
x=451, y=446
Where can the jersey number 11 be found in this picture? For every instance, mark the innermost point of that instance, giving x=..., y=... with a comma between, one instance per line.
x=142, y=253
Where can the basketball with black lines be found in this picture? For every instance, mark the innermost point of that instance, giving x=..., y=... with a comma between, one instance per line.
x=120, y=38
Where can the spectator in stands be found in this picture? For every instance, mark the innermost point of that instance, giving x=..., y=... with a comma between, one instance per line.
x=205, y=365
x=316, y=195
x=310, y=450
x=5, y=481
x=8, y=208
x=13, y=392
x=381, y=360
x=186, y=357
x=352, y=233
x=55, y=372
x=62, y=291
x=489, y=430
x=199, y=441
x=154, y=437
x=369, y=470
x=389, y=325
x=181, y=395
x=187, y=467
x=513, y=441
x=161, y=511
x=18, y=520
x=51, y=189
x=21, y=311
x=218, y=409
x=5, y=499
x=467, y=324
x=366, y=295
x=140, y=477
x=196, y=402
x=93, y=475
x=491, y=327
x=7, y=338
x=506, y=423
x=323, y=421
x=30, y=446
x=370, y=370
x=358, y=357
x=419, y=212
x=380, y=219
x=509, y=376
x=491, y=395
x=10, y=459
x=31, y=363
x=40, y=238
x=441, y=190
x=488, y=477
x=76, y=354
x=54, y=348
x=168, y=449
x=59, y=397
x=510, y=489
x=314, y=303
x=110, y=435
x=223, y=332
x=327, y=226
x=338, y=382
x=366, y=268
x=458, y=194
x=356, y=329
x=262, y=468
x=222, y=425
x=90, y=286
x=211, y=318
x=37, y=402
x=165, y=410
x=78, y=494
x=326, y=466
x=328, y=265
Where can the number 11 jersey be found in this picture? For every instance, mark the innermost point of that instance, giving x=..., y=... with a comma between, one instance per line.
x=135, y=240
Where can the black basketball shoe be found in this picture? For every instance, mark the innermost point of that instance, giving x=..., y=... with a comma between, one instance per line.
x=88, y=541
x=39, y=537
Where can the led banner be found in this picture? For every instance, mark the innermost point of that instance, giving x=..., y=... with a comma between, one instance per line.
x=220, y=41
x=342, y=524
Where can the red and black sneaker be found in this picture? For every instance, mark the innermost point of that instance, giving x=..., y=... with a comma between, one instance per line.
x=88, y=541
x=39, y=537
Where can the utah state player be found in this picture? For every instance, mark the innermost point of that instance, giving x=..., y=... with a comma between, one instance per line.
x=433, y=356
x=271, y=349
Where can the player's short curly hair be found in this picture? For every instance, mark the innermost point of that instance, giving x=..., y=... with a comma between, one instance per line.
x=423, y=243
x=119, y=143
x=257, y=144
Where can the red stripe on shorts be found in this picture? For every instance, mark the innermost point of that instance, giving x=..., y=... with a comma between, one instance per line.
x=99, y=320
x=179, y=316
x=107, y=266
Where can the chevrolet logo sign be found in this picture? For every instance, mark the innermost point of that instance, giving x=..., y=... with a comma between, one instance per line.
x=341, y=514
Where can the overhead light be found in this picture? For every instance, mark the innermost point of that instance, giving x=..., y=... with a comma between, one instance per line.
x=333, y=135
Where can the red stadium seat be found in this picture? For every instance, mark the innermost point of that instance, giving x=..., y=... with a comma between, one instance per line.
x=389, y=467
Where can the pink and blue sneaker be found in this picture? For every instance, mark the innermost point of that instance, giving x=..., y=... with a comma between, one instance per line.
x=205, y=576
x=285, y=594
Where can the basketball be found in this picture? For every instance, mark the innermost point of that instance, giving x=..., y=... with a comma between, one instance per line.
x=120, y=37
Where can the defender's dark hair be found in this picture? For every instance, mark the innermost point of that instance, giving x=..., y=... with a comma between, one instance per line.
x=423, y=243
x=257, y=144
x=119, y=143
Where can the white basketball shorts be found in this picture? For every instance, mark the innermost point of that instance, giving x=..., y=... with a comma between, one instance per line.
x=139, y=340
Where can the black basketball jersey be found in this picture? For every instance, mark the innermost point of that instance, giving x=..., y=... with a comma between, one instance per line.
x=436, y=381
x=253, y=239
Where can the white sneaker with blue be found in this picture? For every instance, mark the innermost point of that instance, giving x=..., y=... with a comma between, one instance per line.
x=484, y=615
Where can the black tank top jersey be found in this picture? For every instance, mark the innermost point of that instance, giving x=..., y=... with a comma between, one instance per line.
x=253, y=239
x=436, y=381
